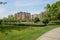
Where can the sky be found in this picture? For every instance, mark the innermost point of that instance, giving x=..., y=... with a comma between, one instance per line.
x=30, y=6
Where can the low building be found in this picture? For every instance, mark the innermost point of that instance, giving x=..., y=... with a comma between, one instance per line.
x=9, y=16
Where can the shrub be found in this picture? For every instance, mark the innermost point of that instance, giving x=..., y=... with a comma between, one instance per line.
x=24, y=20
x=45, y=21
x=0, y=21
x=56, y=21
x=36, y=20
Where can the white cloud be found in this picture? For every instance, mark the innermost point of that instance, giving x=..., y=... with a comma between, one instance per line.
x=26, y=3
x=30, y=2
x=36, y=12
x=2, y=0
x=2, y=12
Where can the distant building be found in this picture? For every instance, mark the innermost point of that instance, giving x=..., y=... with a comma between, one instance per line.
x=23, y=16
x=36, y=15
x=9, y=16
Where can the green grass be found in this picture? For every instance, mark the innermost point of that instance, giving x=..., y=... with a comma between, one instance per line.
x=29, y=33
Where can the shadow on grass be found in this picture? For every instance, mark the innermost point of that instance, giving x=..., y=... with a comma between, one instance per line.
x=4, y=28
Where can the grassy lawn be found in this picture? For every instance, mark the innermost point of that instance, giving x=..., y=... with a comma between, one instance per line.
x=29, y=33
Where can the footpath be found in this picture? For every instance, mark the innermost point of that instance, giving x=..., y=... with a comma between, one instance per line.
x=51, y=35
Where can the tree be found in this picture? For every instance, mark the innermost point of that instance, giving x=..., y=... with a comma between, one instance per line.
x=53, y=10
x=45, y=21
x=47, y=7
x=36, y=20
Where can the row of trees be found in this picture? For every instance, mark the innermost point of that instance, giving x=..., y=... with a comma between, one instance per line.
x=8, y=21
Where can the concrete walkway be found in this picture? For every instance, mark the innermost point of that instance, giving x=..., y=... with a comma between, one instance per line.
x=51, y=35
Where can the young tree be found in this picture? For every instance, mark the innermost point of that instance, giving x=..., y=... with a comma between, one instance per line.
x=36, y=20
x=45, y=21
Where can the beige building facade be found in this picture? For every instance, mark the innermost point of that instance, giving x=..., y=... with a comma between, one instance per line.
x=23, y=16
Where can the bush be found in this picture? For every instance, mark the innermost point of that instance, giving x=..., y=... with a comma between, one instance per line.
x=36, y=20
x=45, y=21
x=0, y=21
x=55, y=21
x=23, y=20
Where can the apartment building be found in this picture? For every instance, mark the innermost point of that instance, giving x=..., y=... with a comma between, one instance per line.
x=23, y=16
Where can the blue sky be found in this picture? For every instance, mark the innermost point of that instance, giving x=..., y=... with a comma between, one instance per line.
x=31, y=6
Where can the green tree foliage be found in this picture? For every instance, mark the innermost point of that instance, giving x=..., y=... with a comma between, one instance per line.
x=36, y=19
x=45, y=21
x=53, y=11
x=47, y=7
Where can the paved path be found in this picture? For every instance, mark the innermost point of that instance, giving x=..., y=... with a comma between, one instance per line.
x=51, y=35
